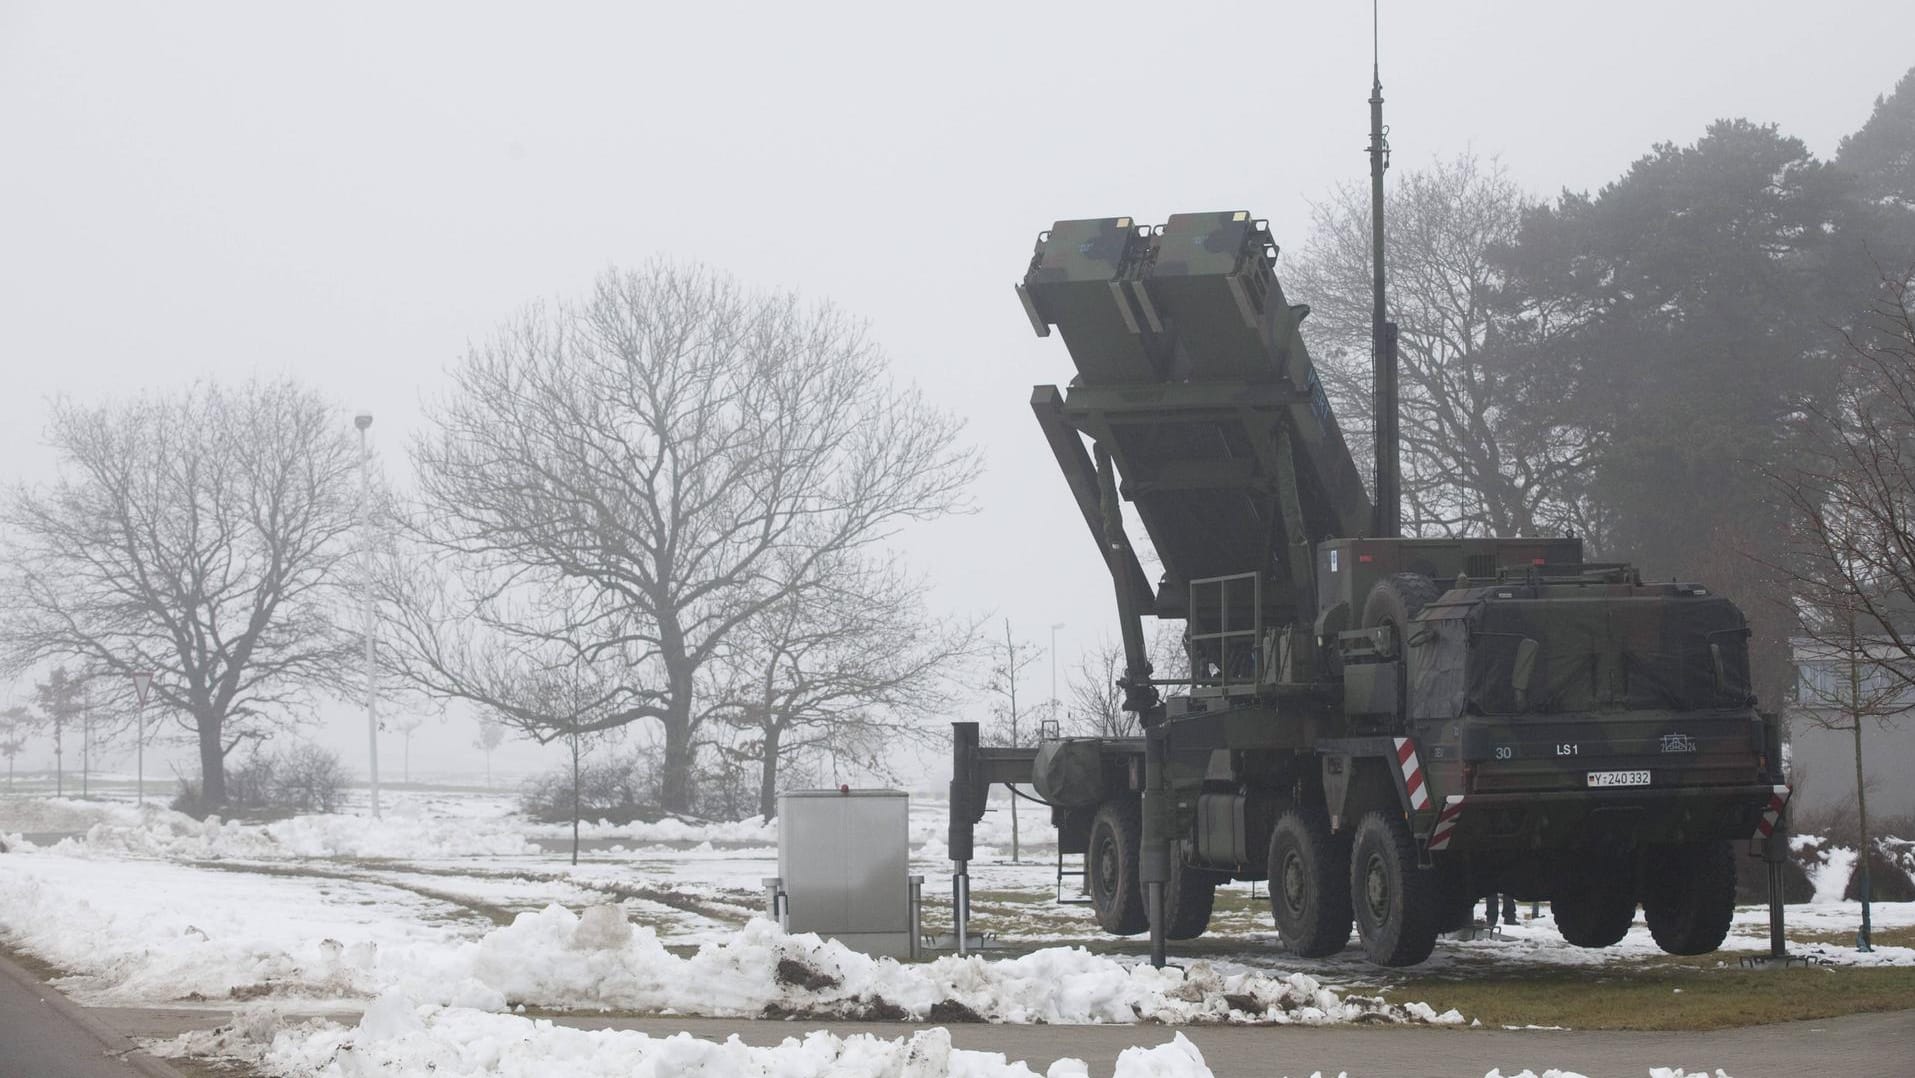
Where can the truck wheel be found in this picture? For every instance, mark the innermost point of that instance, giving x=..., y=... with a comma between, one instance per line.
x=1309, y=874
x=1595, y=907
x=1396, y=599
x=1395, y=901
x=1188, y=899
x=1111, y=866
x=1688, y=895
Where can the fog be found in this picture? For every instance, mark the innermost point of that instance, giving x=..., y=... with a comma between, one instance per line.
x=351, y=194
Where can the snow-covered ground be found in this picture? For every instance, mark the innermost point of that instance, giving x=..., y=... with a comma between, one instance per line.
x=451, y=911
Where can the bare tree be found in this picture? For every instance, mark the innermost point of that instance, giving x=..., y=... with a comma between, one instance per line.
x=201, y=536
x=58, y=698
x=1095, y=703
x=406, y=726
x=1481, y=451
x=1851, y=565
x=491, y=736
x=1009, y=661
x=1852, y=491
x=629, y=481
x=16, y=723
x=844, y=670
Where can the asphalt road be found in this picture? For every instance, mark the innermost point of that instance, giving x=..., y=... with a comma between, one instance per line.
x=1857, y=1046
x=43, y=1035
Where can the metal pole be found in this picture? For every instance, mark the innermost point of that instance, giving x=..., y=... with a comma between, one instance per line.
x=362, y=421
x=1056, y=625
x=140, y=739
x=961, y=906
x=1154, y=849
x=1388, y=523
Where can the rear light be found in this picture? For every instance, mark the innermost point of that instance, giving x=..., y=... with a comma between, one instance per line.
x=1539, y=561
x=1366, y=558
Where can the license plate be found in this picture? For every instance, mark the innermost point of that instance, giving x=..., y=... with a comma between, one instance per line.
x=1619, y=778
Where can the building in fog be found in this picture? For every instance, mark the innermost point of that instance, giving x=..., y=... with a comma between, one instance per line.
x=1828, y=686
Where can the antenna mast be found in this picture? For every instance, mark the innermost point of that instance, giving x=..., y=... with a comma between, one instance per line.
x=1388, y=522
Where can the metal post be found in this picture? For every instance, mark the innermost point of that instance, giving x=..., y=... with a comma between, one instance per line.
x=961, y=907
x=362, y=421
x=1154, y=859
x=1056, y=625
x=1389, y=512
x=142, y=683
x=916, y=893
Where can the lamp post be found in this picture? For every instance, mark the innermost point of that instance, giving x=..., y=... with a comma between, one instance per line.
x=362, y=421
x=1056, y=625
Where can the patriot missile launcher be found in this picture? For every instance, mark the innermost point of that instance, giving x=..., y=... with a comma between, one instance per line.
x=1383, y=728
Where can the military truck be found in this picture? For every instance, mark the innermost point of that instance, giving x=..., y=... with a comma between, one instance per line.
x=1383, y=728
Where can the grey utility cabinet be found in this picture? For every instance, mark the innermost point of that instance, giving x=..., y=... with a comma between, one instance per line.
x=844, y=871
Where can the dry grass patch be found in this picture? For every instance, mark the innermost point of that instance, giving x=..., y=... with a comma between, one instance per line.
x=1677, y=994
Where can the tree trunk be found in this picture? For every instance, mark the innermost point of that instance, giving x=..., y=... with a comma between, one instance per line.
x=1861, y=783
x=675, y=780
x=212, y=762
x=768, y=776
x=1861, y=819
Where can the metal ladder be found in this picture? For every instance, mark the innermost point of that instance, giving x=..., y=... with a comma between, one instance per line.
x=1081, y=872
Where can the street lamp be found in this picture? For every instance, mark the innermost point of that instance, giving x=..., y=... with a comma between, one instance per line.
x=362, y=421
x=1056, y=625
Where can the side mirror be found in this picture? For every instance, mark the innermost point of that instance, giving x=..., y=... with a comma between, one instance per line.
x=1522, y=670
x=1715, y=663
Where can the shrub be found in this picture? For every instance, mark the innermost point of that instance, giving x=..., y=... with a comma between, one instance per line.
x=616, y=788
x=304, y=778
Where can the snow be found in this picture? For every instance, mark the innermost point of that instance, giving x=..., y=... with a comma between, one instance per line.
x=452, y=910
x=555, y=958
x=400, y=1038
x=1830, y=878
x=162, y=833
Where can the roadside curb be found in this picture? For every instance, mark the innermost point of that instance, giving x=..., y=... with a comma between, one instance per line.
x=117, y=1044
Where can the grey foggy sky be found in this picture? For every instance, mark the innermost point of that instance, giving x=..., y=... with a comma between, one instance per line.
x=351, y=193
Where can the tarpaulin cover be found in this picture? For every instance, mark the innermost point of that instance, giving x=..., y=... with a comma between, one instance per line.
x=1069, y=773
x=1593, y=653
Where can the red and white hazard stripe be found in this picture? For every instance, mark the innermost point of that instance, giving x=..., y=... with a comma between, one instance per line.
x=1412, y=774
x=1766, y=825
x=1446, y=822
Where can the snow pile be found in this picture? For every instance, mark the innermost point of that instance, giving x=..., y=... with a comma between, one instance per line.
x=555, y=958
x=169, y=835
x=1899, y=852
x=671, y=829
x=1830, y=875
x=42, y=814
x=398, y=1037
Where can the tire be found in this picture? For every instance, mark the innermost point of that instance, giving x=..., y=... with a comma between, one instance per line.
x=1394, y=601
x=1395, y=901
x=1188, y=899
x=1595, y=906
x=1110, y=867
x=1688, y=895
x=1309, y=874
